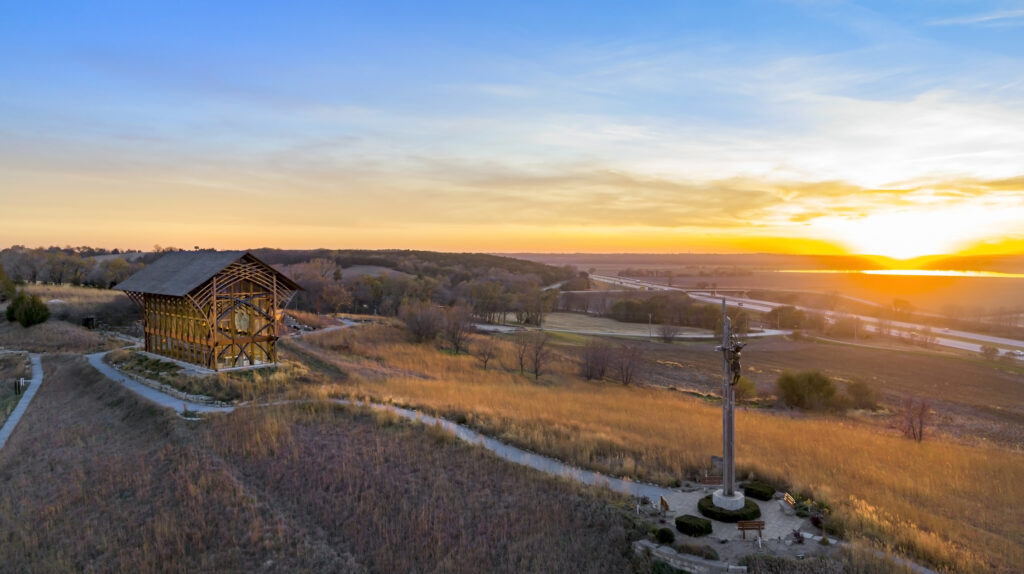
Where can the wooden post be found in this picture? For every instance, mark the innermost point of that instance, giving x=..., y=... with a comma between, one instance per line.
x=273, y=321
x=213, y=325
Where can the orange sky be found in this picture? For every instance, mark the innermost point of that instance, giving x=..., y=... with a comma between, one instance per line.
x=505, y=127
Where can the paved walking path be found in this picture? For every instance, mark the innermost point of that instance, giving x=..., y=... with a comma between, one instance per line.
x=30, y=393
x=151, y=394
x=778, y=524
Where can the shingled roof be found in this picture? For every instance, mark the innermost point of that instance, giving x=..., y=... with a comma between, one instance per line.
x=177, y=273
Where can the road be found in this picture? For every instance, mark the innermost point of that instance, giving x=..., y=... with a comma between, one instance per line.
x=973, y=343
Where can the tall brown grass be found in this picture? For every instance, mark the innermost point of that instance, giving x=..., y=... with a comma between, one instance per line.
x=409, y=499
x=12, y=368
x=930, y=501
x=265, y=383
x=54, y=336
x=108, y=306
x=97, y=480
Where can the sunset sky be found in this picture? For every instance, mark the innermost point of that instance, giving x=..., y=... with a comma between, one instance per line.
x=892, y=128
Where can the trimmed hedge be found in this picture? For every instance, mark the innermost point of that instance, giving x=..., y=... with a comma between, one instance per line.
x=749, y=511
x=759, y=490
x=693, y=525
x=665, y=536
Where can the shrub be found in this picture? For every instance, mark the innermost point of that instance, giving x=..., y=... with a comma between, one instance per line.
x=749, y=511
x=745, y=389
x=989, y=351
x=693, y=525
x=27, y=309
x=759, y=490
x=861, y=395
x=665, y=536
x=805, y=390
x=424, y=320
x=702, y=550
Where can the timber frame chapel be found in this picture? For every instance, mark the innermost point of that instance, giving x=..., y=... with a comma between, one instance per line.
x=214, y=309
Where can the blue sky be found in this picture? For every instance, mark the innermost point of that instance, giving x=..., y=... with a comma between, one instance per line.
x=512, y=126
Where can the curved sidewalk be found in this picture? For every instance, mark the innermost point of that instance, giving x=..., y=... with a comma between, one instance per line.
x=153, y=395
x=30, y=393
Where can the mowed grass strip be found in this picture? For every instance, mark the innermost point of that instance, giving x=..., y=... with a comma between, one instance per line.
x=928, y=500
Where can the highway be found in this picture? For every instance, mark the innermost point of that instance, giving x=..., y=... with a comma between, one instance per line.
x=942, y=336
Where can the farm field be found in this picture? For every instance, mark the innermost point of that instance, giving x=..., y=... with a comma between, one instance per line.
x=973, y=397
x=976, y=295
x=881, y=485
x=97, y=480
x=606, y=326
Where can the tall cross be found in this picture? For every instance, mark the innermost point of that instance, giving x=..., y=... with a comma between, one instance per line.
x=730, y=376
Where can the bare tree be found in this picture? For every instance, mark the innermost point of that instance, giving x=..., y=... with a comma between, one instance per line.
x=458, y=323
x=669, y=332
x=914, y=415
x=594, y=359
x=522, y=343
x=990, y=352
x=539, y=353
x=424, y=320
x=627, y=362
x=486, y=350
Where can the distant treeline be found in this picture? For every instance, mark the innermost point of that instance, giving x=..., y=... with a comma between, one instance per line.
x=494, y=286
x=89, y=266
x=658, y=307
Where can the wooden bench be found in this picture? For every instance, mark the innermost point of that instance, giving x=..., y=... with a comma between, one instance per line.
x=745, y=525
x=788, y=504
x=711, y=480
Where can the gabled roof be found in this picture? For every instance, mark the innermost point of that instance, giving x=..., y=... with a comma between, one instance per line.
x=177, y=273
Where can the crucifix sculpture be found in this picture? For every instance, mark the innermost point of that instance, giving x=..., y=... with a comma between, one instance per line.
x=727, y=497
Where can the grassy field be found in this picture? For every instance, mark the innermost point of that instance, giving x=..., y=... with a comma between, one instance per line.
x=920, y=498
x=54, y=336
x=71, y=303
x=931, y=294
x=973, y=397
x=96, y=480
x=604, y=325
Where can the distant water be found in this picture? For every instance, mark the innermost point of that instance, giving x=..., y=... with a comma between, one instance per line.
x=911, y=272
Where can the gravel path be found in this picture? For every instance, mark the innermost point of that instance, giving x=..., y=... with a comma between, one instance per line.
x=30, y=393
x=153, y=395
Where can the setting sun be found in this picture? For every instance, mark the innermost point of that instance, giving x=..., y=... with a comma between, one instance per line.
x=916, y=232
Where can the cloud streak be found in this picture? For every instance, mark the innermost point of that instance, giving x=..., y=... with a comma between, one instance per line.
x=1005, y=17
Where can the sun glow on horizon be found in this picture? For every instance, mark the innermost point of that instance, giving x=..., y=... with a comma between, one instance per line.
x=909, y=233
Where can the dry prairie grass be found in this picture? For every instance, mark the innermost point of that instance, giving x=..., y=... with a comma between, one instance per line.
x=97, y=480
x=409, y=499
x=53, y=336
x=12, y=367
x=266, y=383
x=110, y=307
x=928, y=500
x=311, y=319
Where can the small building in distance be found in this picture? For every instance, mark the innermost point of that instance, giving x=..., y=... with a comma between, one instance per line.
x=214, y=309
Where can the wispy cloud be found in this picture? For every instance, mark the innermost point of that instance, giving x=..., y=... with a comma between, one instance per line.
x=1005, y=17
